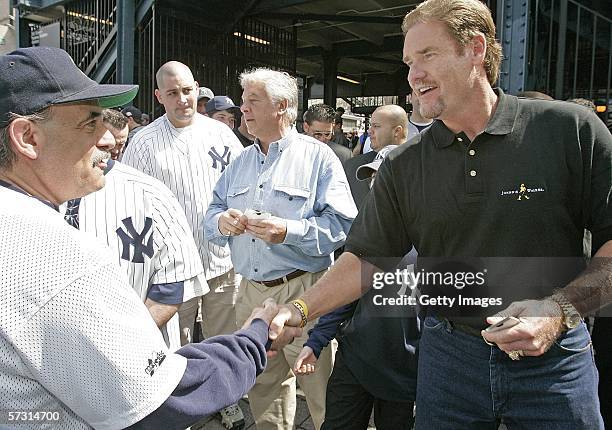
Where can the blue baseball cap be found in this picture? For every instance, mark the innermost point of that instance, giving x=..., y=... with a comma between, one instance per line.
x=32, y=79
x=218, y=103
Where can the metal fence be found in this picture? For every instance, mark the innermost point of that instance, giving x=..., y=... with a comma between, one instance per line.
x=215, y=59
x=569, y=51
x=89, y=29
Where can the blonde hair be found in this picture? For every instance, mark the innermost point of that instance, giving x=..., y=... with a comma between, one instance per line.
x=464, y=19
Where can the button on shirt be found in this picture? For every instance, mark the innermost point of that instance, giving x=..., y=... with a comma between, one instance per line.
x=299, y=180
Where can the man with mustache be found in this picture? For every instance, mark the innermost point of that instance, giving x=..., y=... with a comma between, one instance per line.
x=140, y=220
x=454, y=195
x=77, y=346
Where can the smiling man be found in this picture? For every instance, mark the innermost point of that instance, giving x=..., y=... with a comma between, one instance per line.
x=457, y=193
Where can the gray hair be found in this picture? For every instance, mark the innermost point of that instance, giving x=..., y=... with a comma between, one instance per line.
x=278, y=85
x=7, y=155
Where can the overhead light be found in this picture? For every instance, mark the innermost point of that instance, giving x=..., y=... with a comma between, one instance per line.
x=251, y=38
x=352, y=81
x=89, y=18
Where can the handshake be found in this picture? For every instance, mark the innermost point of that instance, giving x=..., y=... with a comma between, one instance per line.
x=283, y=320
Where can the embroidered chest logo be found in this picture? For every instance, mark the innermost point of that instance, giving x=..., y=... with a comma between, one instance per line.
x=223, y=160
x=131, y=237
x=523, y=192
x=154, y=362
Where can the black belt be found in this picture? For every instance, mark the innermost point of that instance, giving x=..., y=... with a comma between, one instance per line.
x=284, y=279
x=471, y=330
x=466, y=329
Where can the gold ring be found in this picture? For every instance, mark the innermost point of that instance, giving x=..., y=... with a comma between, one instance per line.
x=515, y=355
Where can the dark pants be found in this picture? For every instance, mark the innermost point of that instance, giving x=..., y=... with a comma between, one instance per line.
x=348, y=405
x=602, y=342
x=465, y=384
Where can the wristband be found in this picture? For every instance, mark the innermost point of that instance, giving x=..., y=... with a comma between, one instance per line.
x=302, y=309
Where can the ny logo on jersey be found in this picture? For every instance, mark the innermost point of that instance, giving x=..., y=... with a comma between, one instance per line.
x=135, y=239
x=224, y=159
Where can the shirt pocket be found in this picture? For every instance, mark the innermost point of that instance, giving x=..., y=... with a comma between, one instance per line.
x=290, y=202
x=237, y=197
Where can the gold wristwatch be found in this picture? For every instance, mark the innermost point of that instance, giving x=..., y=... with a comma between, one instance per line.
x=571, y=317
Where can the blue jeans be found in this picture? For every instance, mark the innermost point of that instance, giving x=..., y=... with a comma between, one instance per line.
x=463, y=383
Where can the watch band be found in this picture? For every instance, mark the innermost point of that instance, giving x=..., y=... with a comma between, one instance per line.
x=571, y=316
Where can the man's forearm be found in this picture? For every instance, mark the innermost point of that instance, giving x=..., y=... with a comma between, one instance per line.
x=592, y=290
x=347, y=280
x=160, y=312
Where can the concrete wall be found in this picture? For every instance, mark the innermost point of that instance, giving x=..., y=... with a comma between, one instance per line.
x=8, y=41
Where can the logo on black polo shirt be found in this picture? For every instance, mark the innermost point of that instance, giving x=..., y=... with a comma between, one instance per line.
x=522, y=192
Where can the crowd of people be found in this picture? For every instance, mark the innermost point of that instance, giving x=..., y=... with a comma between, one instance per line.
x=155, y=273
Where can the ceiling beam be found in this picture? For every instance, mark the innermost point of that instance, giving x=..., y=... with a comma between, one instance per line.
x=321, y=43
x=267, y=5
x=391, y=20
x=358, y=48
x=377, y=38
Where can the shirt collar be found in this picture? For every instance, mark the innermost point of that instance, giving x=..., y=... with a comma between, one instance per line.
x=109, y=165
x=19, y=190
x=281, y=144
x=501, y=122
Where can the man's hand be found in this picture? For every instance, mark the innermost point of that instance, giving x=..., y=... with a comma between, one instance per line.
x=271, y=230
x=288, y=315
x=306, y=361
x=280, y=337
x=232, y=222
x=266, y=313
x=541, y=324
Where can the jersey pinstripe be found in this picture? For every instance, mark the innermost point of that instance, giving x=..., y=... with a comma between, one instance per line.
x=159, y=251
x=189, y=161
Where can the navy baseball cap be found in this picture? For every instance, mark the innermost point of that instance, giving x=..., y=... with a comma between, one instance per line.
x=32, y=79
x=218, y=103
x=133, y=112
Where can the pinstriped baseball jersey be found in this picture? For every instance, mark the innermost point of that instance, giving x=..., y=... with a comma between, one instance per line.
x=189, y=161
x=73, y=338
x=139, y=218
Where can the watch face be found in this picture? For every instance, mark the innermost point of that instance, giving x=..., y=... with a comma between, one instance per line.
x=573, y=321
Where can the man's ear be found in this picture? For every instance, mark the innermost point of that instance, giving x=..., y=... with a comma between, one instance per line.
x=282, y=106
x=157, y=95
x=478, y=48
x=24, y=137
x=306, y=127
x=398, y=130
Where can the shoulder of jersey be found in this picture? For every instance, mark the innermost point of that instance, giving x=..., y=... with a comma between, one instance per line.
x=124, y=173
x=45, y=222
x=207, y=122
x=149, y=131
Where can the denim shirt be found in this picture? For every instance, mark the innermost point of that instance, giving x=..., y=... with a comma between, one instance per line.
x=301, y=181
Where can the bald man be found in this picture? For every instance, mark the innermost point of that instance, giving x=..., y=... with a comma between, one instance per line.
x=188, y=152
x=389, y=126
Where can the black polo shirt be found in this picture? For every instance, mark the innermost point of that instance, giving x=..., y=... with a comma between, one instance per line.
x=527, y=186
